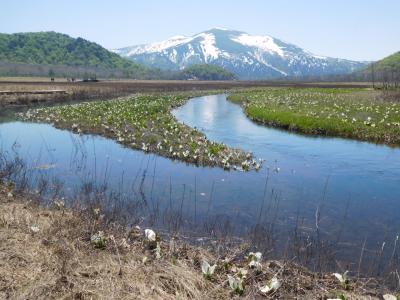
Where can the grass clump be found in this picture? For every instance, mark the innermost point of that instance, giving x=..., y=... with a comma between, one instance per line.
x=350, y=113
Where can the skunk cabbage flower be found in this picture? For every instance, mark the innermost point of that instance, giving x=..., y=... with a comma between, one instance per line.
x=98, y=240
x=236, y=284
x=389, y=297
x=150, y=235
x=242, y=273
x=207, y=270
x=59, y=204
x=272, y=286
x=255, y=265
x=35, y=229
x=255, y=260
x=343, y=279
x=255, y=256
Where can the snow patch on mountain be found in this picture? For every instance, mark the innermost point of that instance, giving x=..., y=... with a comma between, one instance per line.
x=159, y=46
x=265, y=43
x=210, y=51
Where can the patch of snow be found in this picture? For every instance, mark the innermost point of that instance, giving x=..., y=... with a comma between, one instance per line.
x=265, y=43
x=320, y=57
x=173, y=55
x=187, y=55
x=207, y=45
x=160, y=46
x=259, y=57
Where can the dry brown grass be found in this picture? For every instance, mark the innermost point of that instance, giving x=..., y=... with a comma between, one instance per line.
x=59, y=262
x=110, y=89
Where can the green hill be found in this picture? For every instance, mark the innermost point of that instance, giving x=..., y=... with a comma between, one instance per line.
x=55, y=49
x=207, y=72
x=389, y=63
x=384, y=72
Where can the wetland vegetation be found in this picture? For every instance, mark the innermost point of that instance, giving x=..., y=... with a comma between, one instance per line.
x=145, y=122
x=361, y=114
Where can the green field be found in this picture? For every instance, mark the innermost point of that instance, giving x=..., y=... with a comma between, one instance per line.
x=360, y=114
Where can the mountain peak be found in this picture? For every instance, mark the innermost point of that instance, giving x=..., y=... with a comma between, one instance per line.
x=249, y=56
x=219, y=29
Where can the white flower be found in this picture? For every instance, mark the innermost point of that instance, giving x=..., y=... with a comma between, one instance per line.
x=242, y=273
x=150, y=235
x=236, y=284
x=59, y=204
x=98, y=240
x=10, y=195
x=272, y=286
x=255, y=256
x=342, y=278
x=389, y=297
x=207, y=270
x=35, y=229
x=145, y=147
x=255, y=265
x=255, y=260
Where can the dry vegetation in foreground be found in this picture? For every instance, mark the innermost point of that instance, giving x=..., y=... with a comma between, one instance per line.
x=47, y=253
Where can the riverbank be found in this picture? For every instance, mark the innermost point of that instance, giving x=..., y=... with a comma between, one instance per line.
x=53, y=252
x=360, y=114
x=145, y=122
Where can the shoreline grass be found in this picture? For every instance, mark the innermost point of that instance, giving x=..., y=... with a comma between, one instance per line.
x=359, y=114
x=145, y=122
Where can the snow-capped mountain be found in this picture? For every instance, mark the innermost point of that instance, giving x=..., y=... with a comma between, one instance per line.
x=248, y=56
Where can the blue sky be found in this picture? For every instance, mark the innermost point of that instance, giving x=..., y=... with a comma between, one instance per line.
x=353, y=29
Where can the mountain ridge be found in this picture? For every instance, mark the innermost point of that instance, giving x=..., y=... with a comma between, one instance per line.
x=248, y=56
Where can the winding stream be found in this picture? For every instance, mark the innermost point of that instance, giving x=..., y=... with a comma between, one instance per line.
x=352, y=187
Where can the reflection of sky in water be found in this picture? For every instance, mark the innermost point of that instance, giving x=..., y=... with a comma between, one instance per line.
x=364, y=176
x=367, y=175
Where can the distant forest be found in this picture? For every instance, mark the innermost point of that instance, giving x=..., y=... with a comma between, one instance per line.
x=58, y=55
